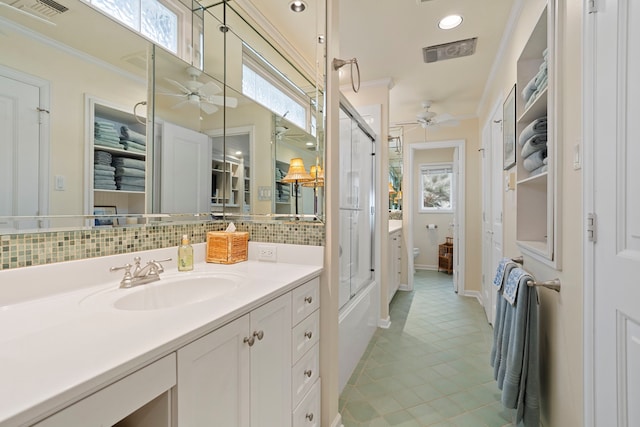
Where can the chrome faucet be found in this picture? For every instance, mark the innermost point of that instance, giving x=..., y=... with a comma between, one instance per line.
x=141, y=275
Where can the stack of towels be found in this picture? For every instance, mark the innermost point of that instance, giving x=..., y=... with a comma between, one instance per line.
x=515, y=351
x=129, y=173
x=103, y=171
x=533, y=142
x=538, y=83
x=283, y=193
x=106, y=135
x=133, y=141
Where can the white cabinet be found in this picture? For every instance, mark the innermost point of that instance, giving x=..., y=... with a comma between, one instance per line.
x=117, y=403
x=240, y=374
x=395, y=263
x=230, y=185
x=538, y=180
x=108, y=149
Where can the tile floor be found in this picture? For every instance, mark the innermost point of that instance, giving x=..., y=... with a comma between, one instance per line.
x=430, y=368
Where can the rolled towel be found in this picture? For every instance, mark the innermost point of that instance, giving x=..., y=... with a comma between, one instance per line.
x=529, y=89
x=132, y=135
x=535, y=160
x=537, y=126
x=533, y=144
x=124, y=171
x=538, y=171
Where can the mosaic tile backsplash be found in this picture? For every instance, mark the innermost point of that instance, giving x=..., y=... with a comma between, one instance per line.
x=24, y=250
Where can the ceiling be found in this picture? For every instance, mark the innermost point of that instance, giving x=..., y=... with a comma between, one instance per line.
x=387, y=37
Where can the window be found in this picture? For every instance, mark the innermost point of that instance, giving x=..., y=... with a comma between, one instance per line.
x=436, y=189
x=158, y=20
x=266, y=85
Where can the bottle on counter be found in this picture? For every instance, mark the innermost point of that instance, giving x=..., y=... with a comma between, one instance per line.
x=185, y=255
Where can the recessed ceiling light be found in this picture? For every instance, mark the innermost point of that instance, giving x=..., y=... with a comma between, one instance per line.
x=238, y=153
x=297, y=5
x=449, y=22
x=309, y=144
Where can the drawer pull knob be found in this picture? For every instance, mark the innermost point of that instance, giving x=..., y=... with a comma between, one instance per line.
x=308, y=299
x=309, y=417
x=249, y=340
x=308, y=334
x=308, y=373
x=258, y=334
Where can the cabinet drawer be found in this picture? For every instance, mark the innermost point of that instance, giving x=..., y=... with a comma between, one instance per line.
x=304, y=374
x=116, y=401
x=306, y=299
x=307, y=414
x=305, y=335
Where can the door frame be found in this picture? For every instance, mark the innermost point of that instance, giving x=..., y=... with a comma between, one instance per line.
x=459, y=213
x=44, y=144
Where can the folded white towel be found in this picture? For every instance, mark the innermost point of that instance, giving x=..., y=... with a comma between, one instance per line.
x=535, y=160
x=533, y=144
x=536, y=127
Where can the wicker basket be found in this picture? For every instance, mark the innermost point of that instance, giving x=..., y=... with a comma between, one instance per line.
x=227, y=248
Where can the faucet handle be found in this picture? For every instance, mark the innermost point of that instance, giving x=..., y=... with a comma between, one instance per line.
x=160, y=268
x=127, y=279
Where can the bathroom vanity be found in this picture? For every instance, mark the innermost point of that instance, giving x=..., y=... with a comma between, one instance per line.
x=232, y=345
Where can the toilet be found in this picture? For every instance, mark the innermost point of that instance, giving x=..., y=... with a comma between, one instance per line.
x=416, y=252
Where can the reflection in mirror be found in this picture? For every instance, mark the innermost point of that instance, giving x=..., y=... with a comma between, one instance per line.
x=395, y=140
x=123, y=80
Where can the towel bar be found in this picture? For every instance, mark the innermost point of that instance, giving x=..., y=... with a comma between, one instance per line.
x=518, y=260
x=551, y=284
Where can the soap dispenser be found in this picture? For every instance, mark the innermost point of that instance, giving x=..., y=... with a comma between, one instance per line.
x=185, y=255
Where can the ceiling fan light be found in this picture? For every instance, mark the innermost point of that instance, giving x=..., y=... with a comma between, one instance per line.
x=450, y=22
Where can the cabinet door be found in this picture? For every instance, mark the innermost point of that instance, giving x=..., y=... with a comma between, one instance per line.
x=271, y=364
x=213, y=378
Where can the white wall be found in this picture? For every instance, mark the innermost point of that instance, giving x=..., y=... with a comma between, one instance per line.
x=561, y=314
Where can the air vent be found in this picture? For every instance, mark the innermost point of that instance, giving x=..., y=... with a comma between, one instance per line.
x=449, y=50
x=422, y=1
x=46, y=8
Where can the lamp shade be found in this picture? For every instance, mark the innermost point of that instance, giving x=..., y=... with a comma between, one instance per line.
x=317, y=177
x=399, y=195
x=297, y=172
x=391, y=189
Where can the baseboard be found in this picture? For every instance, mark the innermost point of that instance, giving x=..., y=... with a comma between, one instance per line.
x=474, y=294
x=403, y=287
x=425, y=267
x=337, y=422
x=384, y=323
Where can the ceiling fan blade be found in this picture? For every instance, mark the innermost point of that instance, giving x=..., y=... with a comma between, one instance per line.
x=229, y=101
x=443, y=117
x=209, y=89
x=178, y=85
x=180, y=104
x=181, y=95
x=207, y=107
x=449, y=123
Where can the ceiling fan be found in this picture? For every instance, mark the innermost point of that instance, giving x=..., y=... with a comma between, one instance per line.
x=427, y=118
x=203, y=95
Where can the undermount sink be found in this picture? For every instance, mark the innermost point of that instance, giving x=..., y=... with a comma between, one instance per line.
x=168, y=292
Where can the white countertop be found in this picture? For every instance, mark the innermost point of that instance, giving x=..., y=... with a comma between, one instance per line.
x=54, y=351
x=395, y=225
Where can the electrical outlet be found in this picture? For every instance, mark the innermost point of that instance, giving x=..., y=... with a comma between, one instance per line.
x=267, y=253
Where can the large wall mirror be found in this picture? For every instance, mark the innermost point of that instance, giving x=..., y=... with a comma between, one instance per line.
x=99, y=120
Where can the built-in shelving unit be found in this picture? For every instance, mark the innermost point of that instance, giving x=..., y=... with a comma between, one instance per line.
x=283, y=190
x=230, y=185
x=127, y=196
x=538, y=188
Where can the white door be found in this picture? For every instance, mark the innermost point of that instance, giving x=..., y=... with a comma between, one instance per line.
x=615, y=181
x=213, y=378
x=271, y=387
x=19, y=148
x=497, y=193
x=185, y=170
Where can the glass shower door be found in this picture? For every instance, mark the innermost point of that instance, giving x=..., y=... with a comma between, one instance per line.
x=356, y=213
